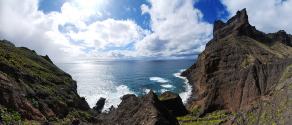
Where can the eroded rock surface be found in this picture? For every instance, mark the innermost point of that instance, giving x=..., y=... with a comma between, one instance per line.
x=33, y=87
x=238, y=67
x=173, y=103
x=146, y=110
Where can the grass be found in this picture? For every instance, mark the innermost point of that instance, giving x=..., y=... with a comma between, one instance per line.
x=9, y=116
x=213, y=118
x=42, y=79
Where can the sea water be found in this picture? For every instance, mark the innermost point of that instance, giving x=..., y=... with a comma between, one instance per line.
x=113, y=79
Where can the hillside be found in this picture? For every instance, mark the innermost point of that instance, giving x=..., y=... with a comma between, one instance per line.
x=244, y=72
x=33, y=88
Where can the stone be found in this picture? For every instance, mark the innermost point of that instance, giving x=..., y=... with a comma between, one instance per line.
x=173, y=103
x=99, y=105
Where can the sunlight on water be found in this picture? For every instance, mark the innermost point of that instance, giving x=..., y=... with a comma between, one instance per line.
x=113, y=79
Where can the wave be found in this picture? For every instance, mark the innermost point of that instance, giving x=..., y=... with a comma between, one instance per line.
x=167, y=86
x=163, y=90
x=146, y=91
x=186, y=94
x=112, y=95
x=158, y=79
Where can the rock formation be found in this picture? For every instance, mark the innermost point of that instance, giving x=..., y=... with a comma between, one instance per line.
x=173, y=103
x=244, y=76
x=99, y=105
x=34, y=87
x=146, y=110
x=34, y=90
x=239, y=66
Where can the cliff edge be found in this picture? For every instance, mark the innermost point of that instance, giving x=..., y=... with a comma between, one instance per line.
x=33, y=88
x=241, y=70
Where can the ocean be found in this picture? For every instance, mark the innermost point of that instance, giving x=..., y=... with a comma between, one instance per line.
x=113, y=79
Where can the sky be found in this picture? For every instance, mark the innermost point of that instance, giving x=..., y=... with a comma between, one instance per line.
x=72, y=30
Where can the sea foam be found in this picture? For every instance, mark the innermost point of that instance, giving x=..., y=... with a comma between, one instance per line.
x=158, y=79
x=186, y=94
x=113, y=96
x=167, y=86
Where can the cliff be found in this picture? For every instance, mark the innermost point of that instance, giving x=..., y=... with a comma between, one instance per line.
x=145, y=110
x=33, y=88
x=35, y=91
x=242, y=69
x=244, y=76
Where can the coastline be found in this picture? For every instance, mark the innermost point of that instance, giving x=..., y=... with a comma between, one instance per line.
x=188, y=93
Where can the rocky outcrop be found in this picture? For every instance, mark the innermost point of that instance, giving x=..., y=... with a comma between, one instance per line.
x=33, y=87
x=173, y=103
x=99, y=105
x=146, y=110
x=239, y=66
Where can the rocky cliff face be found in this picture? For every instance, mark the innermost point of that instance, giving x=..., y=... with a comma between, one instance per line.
x=34, y=91
x=239, y=66
x=146, y=110
x=33, y=87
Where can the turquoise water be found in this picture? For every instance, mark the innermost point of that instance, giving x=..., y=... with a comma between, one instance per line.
x=113, y=79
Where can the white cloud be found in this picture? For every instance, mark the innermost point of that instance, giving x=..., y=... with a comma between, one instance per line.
x=109, y=32
x=177, y=28
x=266, y=15
x=25, y=25
x=78, y=30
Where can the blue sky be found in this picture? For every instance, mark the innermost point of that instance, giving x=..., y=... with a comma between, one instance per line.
x=69, y=30
x=130, y=9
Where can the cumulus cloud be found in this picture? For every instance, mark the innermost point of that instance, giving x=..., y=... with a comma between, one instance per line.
x=80, y=31
x=74, y=32
x=176, y=27
x=109, y=32
x=22, y=23
x=266, y=15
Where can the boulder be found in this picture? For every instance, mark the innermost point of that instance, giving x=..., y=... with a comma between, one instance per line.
x=99, y=105
x=173, y=103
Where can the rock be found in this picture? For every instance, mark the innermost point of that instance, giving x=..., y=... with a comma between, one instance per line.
x=239, y=66
x=83, y=105
x=232, y=26
x=34, y=87
x=46, y=57
x=282, y=36
x=76, y=122
x=99, y=105
x=146, y=110
x=173, y=103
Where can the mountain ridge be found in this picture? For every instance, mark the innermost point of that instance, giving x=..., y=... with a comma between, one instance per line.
x=239, y=66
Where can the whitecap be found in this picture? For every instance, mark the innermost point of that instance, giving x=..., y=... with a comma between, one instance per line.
x=163, y=90
x=167, y=86
x=113, y=96
x=146, y=91
x=188, y=88
x=158, y=79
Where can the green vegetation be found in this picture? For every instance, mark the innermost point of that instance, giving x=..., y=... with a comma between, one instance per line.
x=76, y=114
x=40, y=80
x=9, y=116
x=213, y=118
x=166, y=96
